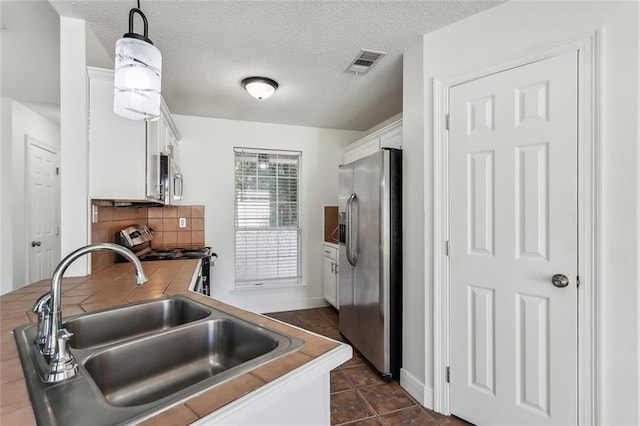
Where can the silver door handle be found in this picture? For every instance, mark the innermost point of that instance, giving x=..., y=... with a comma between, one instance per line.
x=560, y=280
x=352, y=255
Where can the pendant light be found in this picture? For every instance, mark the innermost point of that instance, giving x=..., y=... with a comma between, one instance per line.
x=138, y=72
x=260, y=87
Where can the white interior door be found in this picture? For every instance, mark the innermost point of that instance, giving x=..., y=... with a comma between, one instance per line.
x=513, y=225
x=42, y=208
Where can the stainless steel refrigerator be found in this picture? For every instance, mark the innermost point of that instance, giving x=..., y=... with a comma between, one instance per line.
x=370, y=258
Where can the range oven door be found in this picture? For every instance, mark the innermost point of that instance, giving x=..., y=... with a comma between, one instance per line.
x=202, y=280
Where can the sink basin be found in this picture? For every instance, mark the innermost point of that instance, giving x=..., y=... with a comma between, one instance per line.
x=136, y=360
x=117, y=324
x=144, y=371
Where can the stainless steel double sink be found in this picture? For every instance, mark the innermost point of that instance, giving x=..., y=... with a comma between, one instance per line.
x=138, y=359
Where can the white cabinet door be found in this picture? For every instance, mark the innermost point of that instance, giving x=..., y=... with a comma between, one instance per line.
x=162, y=140
x=387, y=137
x=154, y=150
x=392, y=138
x=116, y=145
x=330, y=274
x=361, y=149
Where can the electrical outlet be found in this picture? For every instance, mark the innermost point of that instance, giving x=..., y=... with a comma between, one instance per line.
x=182, y=222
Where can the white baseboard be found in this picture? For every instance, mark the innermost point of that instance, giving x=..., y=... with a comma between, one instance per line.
x=287, y=305
x=416, y=389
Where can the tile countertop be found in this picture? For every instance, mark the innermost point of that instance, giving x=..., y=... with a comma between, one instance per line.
x=115, y=285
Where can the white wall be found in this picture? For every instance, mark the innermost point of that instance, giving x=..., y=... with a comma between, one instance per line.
x=415, y=371
x=207, y=161
x=97, y=55
x=19, y=121
x=6, y=237
x=74, y=164
x=517, y=29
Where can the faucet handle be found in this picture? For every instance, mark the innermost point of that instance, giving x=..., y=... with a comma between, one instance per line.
x=63, y=341
x=41, y=302
x=63, y=365
x=44, y=326
x=42, y=307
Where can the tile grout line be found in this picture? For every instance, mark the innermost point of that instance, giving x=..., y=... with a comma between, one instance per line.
x=376, y=415
x=355, y=387
x=341, y=369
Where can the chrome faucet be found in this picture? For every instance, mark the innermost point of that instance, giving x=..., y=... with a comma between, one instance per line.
x=58, y=363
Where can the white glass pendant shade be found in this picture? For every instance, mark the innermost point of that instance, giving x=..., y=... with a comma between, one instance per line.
x=137, y=79
x=260, y=87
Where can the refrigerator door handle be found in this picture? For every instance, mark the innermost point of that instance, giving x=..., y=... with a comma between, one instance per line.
x=351, y=242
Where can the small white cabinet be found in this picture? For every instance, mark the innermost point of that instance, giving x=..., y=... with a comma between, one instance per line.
x=124, y=155
x=330, y=273
x=388, y=137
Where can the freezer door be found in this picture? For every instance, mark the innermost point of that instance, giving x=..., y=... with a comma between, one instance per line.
x=345, y=270
x=368, y=294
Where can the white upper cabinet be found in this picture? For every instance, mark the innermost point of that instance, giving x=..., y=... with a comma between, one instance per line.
x=162, y=137
x=163, y=131
x=387, y=137
x=125, y=155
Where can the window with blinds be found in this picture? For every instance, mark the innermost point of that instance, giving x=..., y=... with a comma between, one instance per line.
x=267, y=230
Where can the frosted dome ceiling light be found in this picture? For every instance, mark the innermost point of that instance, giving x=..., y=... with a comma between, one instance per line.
x=260, y=87
x=138, y=73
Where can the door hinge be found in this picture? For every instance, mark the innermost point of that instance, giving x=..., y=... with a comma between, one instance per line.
x=448, y=374
x=447, y=119
x=446, y=248
x=578, y=281
x=57, y=170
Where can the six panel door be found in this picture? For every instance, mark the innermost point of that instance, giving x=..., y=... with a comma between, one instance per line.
x=513, y=225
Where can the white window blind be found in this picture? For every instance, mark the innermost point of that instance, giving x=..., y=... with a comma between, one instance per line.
x=267, y=240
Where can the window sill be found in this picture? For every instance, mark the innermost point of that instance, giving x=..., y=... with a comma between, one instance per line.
x=270, y=286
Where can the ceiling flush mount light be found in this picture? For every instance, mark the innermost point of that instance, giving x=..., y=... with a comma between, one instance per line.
x=138, y=72
x=259, y=87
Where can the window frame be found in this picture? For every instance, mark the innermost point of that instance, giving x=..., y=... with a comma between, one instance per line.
x=277, y=282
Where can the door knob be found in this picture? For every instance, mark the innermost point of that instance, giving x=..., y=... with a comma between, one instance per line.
x=36, y=243
x=560, y=280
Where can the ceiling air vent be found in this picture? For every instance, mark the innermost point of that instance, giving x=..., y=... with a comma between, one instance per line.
x=364, y=61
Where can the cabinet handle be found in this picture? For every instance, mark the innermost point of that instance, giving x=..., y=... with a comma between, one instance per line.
x=177, y=186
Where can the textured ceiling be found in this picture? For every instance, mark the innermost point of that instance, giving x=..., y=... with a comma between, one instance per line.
x=208, y=47
x=30, y=52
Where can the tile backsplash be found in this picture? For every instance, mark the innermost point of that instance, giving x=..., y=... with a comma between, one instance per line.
x=163, y=220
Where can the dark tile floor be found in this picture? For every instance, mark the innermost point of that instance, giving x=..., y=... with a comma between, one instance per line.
x=358, y=395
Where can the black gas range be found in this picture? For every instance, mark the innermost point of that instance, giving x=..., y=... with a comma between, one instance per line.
x=176, y=253
x=138, y=239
